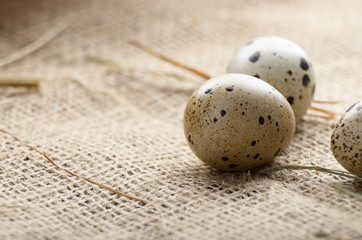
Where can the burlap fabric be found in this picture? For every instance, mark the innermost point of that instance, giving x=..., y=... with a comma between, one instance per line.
x=123, y=126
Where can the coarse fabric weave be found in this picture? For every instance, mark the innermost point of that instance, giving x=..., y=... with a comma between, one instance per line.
x=118, y=121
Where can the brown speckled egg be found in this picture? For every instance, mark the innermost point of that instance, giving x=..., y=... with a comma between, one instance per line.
x=281, y=63
x=237, y=122
x=346, y=140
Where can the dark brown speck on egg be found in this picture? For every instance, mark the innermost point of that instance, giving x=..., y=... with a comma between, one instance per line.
x=253, y=58
x=208, y=90
x=229, y=89
x=233, y=165
x=350, y=108
x=306, y=80
x=304, y=64
x=277, y=152
x=290, y=100
x=261, y=120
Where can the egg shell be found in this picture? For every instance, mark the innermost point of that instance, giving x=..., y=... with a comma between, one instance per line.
x=281, y=63
x=346, y=140
x=237, y=122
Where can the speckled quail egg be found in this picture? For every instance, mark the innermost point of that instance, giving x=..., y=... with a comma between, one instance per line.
x=237, y=122
x=281, y=63
x=346, y=140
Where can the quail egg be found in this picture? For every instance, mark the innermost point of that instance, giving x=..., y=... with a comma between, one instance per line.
x=346, y=140
x=237, y=122
x=281, y=63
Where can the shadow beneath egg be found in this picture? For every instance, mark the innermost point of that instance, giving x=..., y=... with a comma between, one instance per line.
x=309, y=145
x=211, y=182
x=313, y=125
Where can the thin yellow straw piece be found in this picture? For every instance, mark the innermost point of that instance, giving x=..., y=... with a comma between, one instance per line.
x=169, y=60
x=20, y=82
x=73, y=174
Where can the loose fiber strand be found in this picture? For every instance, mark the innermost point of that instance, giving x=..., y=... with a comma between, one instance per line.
x=325, y=102
x=328, y=117
x=322, y=110
x=37, y=44
x=169, y=60
x=73, y=174
x=20, y=82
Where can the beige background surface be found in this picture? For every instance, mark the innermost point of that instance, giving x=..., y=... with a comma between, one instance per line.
x=125, y=129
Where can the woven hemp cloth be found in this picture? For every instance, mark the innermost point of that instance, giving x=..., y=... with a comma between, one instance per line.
x=122, y=126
